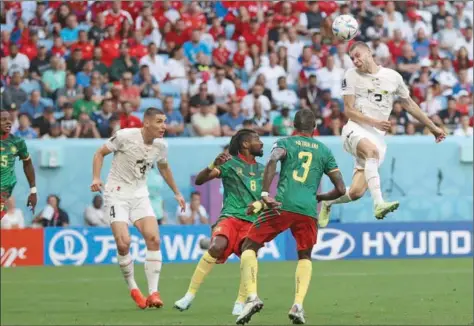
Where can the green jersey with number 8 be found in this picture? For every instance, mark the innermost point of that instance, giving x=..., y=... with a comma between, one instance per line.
x=302, y=168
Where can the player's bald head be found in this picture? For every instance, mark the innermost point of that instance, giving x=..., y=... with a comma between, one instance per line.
x=305, y=121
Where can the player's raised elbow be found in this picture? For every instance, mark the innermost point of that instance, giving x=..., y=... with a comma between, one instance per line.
x=341, y=188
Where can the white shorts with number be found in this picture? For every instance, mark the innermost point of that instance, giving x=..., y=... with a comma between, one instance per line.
x=126, y=207
x=352, y=133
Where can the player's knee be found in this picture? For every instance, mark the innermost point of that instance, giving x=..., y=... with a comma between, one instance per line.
x=250, y=245
x=304, y=254
x=152, y=242
x=356, y=193
x=123, y=244
x=218, y=247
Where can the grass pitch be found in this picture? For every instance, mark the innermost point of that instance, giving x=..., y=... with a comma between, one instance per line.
x=410, y=292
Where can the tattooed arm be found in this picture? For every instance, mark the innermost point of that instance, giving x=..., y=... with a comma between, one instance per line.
x=277, y=154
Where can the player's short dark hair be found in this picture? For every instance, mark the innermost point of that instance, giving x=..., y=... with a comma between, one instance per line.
x=238, y=139
x=358, y=44
x=195, y=193
x=151, y=112
x=305, y=121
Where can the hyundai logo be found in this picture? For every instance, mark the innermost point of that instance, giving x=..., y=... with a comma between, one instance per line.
x=333, y=244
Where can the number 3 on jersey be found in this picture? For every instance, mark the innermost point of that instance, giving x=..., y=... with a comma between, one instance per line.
x=306, y=164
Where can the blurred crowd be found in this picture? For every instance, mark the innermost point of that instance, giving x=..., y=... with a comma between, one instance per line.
x=85, y=69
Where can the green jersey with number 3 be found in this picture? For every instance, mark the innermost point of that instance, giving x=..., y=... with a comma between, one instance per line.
x=301, y=171
x=242, y=183
x=10, y=148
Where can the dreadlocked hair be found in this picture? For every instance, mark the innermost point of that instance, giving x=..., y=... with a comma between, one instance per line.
x=238, y=139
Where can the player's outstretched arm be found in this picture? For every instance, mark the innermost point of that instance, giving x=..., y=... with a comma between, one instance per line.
x=356, y=116
x=167, y=175
x=339, y=187
x=97, y=163
x=277, y=154
x=29, y=170
x=212, y=171
x=411, y=107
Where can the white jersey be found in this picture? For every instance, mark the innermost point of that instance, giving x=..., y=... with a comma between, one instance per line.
x=132, y=161
x=374, y=93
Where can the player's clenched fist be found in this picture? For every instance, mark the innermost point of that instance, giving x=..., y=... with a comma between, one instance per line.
x=96, y=185
x=222, y=158
x=383, y=125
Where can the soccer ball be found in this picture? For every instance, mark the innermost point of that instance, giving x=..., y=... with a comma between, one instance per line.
x=345, y=27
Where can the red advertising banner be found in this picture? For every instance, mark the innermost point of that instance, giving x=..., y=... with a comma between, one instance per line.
x=21, y=247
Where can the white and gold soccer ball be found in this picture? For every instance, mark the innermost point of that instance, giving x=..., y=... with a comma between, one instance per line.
x=345, y=27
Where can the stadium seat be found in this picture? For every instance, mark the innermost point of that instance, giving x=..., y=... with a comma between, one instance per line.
x=5, y=27
x=168, y=89
x=139, y=115
x=229, y=31
x=47, y=102
x=48, y=44
x=58, y=115
x=148, y=102
x=30, y=85
x=83, y=27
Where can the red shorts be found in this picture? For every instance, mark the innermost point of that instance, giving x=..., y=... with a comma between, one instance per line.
x=235, y=230
x=270, y=224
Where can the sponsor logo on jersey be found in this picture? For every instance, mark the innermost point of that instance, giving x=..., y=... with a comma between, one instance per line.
x=333, y=244
x=68, y=247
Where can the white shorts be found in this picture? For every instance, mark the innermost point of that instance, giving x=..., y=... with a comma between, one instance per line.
x=352, y=133
x=120, y=207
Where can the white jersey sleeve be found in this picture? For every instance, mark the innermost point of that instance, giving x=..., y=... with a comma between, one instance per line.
x=402, y=89
x=162, y=146
x=349, y=82
x=115, y=143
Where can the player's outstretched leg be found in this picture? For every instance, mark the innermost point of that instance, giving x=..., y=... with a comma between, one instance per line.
x=125, y=261
x=148, y=227
x=248, y=274
x=206, y=264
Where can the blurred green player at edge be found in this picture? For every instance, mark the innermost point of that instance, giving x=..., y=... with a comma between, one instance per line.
x=242, y=181
x=303, y=160
x=10, y=148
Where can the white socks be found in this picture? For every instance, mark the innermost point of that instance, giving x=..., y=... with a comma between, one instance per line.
x=373, y=179
x=153, y=263
x=341, y=200
x=126, y=266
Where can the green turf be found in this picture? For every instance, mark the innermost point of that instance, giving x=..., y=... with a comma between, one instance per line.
x=409, y=292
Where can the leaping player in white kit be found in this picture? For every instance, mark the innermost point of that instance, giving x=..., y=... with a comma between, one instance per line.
x=368, y=91
x=126, y=197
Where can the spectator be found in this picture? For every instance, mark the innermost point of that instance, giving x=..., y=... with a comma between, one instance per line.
x=42, y=123
x=271, y=72
x=393, y=19
x=284, y=96
x=110, y=46
x=174, y=119
x=33, y=107
x=99, y=90
x=464, y=129
x=450, y=116
x=446, y=76
x=40, y=63
x=85, y=75
x=97, y=64
x=194, y=82
x=84, y=46
x=421, y=45
x=68, y=122
x=310, y=20
x=97, y=32
x=75, y=63
x=54, y=78
x=408, y=63
x=331, y=78
x=195, y=46
x=400, y=118
x=462, y=60
x=176, y=69
x=52, y=214
x=232, y=121
x=85, y=104
x=261, y=124
x=341, y=58
x=70, y=33
x=102, y=118
x=127, y=119
x=396, y=45
x=13, y=94
x=309, y=94
x=86, y=128
x=24, y=129
x=283, y=124
x=13, y=218
x=194, y=213
x=124, y=63
x=17, y=61
x=248, y=102
x=220, y=55
x=203, y=95
x=55, y=132
x=467, y=42
x=71, y=93
x=59, y=49
x=146, y=82
x=449, y=36
x=94, y=214
x=377, y=30
x=128, y=91
x=204, y=122
x=222, y=89
x=155, y=63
